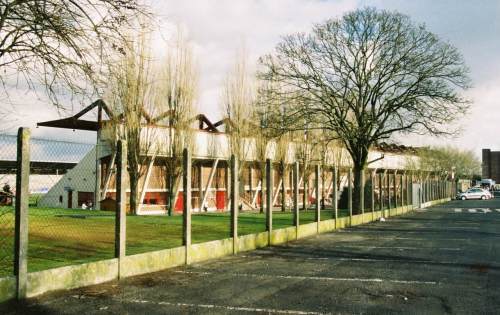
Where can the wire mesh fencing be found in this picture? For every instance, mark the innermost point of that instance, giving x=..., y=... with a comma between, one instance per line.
x=7, y=199
x=65, y=225
x=73, y=204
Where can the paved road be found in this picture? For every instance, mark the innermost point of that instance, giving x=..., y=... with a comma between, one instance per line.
x=442, y=260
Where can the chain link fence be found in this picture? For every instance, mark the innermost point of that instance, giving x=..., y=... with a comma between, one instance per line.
x=72, y=202
x=7, y=193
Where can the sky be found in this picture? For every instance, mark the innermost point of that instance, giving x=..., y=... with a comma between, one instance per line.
x=218, y=29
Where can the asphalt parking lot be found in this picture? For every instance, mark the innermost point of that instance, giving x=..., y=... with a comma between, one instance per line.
x=441, y=260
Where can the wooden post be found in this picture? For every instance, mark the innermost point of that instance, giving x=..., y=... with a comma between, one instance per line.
x=269, y=200
x=21, y=212
x=349, y=195
x=121, y=203
x=234, y=203
x=296, y=195
x=318, y=197
x=186, y=209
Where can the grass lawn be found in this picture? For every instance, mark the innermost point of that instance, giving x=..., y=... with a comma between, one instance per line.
x=60, y=237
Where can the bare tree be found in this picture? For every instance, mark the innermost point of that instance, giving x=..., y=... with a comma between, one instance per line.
x=60, y=44
x=177, y=91
x=367, y=76
x=238, y=102
x=130, y=94
x=153, y=104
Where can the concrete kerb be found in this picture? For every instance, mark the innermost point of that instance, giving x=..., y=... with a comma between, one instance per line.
x=107, y=270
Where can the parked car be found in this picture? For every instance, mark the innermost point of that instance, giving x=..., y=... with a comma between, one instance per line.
x=475, y=193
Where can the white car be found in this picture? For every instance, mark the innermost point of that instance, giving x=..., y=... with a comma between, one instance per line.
x=475, y=193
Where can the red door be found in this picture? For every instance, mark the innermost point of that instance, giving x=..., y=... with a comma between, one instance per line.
x=220, y=197
x=180, y=203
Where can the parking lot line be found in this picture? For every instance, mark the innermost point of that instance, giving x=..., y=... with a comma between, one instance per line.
x=252, y=275
x=400, y=247
x=227, y=307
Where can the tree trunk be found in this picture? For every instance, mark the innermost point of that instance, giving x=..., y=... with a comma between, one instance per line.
x=262, y=186
x=134, y=179
x=305, y=195
x=171, y=195
x=357, y=187
x=359, y=166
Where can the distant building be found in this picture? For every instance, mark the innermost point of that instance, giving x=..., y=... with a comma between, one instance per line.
x=491, y=164
x=93, y=178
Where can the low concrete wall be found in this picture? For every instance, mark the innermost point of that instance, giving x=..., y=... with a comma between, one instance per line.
x=327, y=226
x=152, y=261
x=435, y=202
x=252, y=241
x=285, y=235
x=306, y=230
x=343, y=222
x=357, y=220
x=210, y=250
x=72, y=276
x=7, y=288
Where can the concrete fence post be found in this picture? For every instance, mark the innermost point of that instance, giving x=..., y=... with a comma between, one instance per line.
x=305, y=188
x=428, y=194
x=410, y=191
x=431, y=197
x=296, y=197
x=21, y=212
x=402, y=190
x=407, y=188
x=395, y=191
x=186, y=205
x=317, y=180
x=121, y=203
x=424, y=191
x=335, y=196
x=372, y=193
x=283, y=186
x=269, y=200
x=432, y=189
x=234, y=202
x=349, y=195
x=381, y=193
x=362, y=194
x=388, y=187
